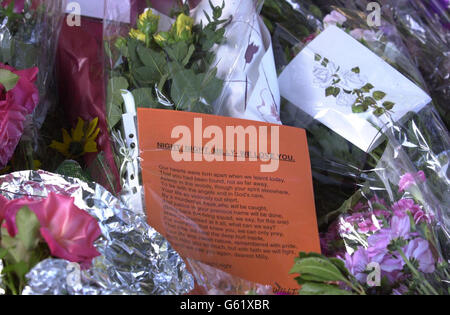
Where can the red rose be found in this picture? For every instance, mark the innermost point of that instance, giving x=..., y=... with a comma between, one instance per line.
x=16, y=102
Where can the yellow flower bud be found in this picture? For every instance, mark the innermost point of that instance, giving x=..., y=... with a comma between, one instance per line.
x=183, y=27
x=137, y=34
x=148, y=22
x=161, y=38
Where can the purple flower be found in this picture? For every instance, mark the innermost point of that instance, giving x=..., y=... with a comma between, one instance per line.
x=357, y=264
x=378, y=246
x=409, y=179
x=400, y=227
x=419, y=249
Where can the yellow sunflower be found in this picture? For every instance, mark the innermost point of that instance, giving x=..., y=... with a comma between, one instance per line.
x=80, y=141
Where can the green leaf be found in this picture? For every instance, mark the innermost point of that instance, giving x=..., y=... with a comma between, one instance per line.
x=322, y=289
x=8, y=79
x=178, y=51
x=319, y=267
x=317, y=57
x=3, y=253
x=356, y=70
x=346, y=207
x=329, y=91
x=189, y=55
x=357, y=109
x=379, y=111
x=388, y=105
x=114, y=100
x=368, y=101
x=20, y=269
x=309, y=255
x=336, y=91
x=154, y=61
x=72, y=169
x=27, y=238
x=133, y=56
x=367, y=88
x=143, y=97
x=190, y=91
x=379, y=95
x=146, y=76
x=340, y=264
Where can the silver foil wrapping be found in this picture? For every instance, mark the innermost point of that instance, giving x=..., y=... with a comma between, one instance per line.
x=2, y=287
x=135, y=259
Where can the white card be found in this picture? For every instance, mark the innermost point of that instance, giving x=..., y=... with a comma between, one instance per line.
x=354, y=77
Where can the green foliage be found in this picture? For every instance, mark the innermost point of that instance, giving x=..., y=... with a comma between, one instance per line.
x=8, y=79
x=21, y=252
x=114, y=100
x=177, y=63
x=319, y=275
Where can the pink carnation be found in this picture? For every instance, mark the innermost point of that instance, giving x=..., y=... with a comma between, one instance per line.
x=409, y=179
x=403, y=206
x=15, y=105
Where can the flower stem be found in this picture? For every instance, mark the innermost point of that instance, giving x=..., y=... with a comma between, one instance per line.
x=417, y=274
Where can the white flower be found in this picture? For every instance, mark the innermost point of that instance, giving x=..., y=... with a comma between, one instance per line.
x=352, y=80
x=334, y=18
x=345, y=100
x=323, y=76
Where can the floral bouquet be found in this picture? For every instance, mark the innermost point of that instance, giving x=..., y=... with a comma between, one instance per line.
x=60, y=235
x=381, y=246
x=339, y=166
x=330, y=99
x=36, y=229
x=27, y=51
x=211, y=57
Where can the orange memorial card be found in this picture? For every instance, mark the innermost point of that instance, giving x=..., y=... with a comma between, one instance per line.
x=234, y=194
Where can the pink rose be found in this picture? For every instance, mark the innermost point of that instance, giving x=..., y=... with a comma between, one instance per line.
x=69, y=232
x=334, y=18
x=15, y=105
x=368, y=35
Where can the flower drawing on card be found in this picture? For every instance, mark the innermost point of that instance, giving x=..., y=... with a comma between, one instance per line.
x=350, y=88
